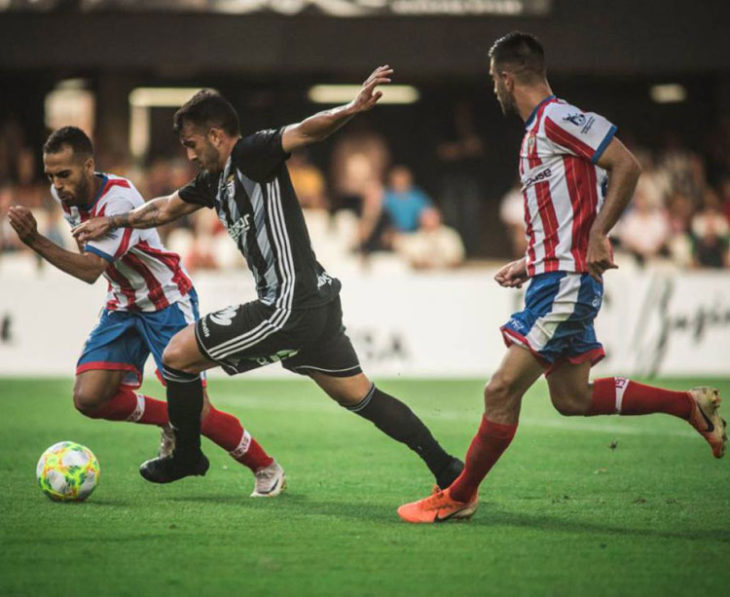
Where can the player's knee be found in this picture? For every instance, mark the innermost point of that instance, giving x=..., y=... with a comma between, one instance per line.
x=174, y=357
x=569, y=403
x=569, y=408
x=499, y=389
x=87, y=401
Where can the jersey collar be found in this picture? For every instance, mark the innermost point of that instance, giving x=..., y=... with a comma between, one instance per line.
x=528, y=122
x=102, y=189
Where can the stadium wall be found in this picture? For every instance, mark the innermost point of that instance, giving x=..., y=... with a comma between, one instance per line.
x=441, y=325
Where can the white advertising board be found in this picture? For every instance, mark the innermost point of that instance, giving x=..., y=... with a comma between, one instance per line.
x=440, y=325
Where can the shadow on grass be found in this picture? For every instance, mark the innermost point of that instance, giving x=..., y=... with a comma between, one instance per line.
x=490, y=517
x=300, y=505
x=297, y=504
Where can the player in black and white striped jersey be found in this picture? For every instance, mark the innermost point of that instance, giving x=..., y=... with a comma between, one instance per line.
x=297, y=318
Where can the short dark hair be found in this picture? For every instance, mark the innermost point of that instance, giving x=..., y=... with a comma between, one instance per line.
x=206, y=109
x=71, y=136
x=522, y=51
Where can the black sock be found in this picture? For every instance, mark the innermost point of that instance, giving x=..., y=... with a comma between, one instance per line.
x=398, y=421
x=184, y=405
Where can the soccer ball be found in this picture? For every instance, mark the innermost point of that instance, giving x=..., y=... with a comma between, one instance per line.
x=67, y=472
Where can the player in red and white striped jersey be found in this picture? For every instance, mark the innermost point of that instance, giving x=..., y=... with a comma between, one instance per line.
x=150, y=299
x=562, y=185
x=577, y=178
x=142, y=274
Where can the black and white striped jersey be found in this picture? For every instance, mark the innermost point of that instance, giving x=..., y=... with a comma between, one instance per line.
x=256, y=202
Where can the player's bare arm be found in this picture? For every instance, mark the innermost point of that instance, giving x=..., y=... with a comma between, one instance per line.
x=323, y=124
x=624, y=171
x=84, y=266
x=153, y=213
x=512, y=275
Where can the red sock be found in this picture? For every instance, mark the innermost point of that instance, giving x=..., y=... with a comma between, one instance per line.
x=487, y=446
x=127, y=405
x=618, y=395
x=227, y=431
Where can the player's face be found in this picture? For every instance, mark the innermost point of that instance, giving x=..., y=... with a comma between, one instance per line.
x=200, y=149
x=71, y=175
x=504, y=96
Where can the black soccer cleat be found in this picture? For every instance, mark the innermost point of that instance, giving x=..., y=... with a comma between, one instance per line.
x=449, y=473
x=166, y=469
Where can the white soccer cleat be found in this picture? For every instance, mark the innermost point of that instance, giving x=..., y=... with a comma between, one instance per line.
x=167, y=442
x=706, y=419
x=270, y=481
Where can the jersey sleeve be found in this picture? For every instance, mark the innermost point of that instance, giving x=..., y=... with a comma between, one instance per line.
x=260, y=155
x=116, y=243
x=200, y=190
x=583, y=134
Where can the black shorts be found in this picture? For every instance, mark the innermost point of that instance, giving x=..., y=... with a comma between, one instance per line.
x=244, y=337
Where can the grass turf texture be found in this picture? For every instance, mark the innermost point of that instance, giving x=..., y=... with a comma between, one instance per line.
x=563, y=513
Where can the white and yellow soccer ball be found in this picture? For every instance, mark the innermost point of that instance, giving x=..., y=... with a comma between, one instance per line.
x=67, y=472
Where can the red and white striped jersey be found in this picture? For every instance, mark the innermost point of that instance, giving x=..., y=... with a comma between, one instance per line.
x=142, y=274
x=562, y=187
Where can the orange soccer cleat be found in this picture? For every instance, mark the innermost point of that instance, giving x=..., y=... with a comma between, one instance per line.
x=706, y=419
x=437, y=507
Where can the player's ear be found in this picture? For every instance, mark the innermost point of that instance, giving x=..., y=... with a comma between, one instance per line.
x=90, y=165
x=215, y=136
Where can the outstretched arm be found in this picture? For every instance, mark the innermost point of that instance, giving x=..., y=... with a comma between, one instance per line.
x=84, y=266
x=624, y=171
x=323, y=124
x=153, y=213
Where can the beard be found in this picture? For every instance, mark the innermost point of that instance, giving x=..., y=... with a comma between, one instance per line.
x=506, y=102
x=211, y=160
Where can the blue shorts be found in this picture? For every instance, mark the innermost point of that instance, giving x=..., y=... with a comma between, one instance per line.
x=122, y=340
x=556, y=324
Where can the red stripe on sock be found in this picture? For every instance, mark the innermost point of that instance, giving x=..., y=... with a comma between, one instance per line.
x=227, y=431
x=487, y=446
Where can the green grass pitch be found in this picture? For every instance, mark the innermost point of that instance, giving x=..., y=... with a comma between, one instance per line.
x=563, y=513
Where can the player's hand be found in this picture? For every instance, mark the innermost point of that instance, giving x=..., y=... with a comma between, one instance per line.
x=512, y=275
x=600, y=255
x=23, y=222
x=91, y=229
x=368, y=96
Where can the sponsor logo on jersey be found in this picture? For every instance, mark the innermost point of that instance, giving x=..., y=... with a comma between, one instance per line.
x=531, y=141
x=540, y=176
x=274, y=358
x=231, y=185
x=577, y=119
x=225, y=316
x=242, y=225
x=580, y=119
x=322, y=279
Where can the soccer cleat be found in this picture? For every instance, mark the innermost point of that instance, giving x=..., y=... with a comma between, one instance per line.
x=449, y=473
x=167, y=442
x=705, y=418
x=169, y=468
x=437, y=507
x=270, y=481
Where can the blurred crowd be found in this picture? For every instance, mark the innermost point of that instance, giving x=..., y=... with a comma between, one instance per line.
x=364, y=209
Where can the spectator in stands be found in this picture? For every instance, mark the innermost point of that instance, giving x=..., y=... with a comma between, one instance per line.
x=403, y=202
x=644, y=230
x=711, y=231
x=680, y=211
x=433, y=245
x=512, y=214
x=308, y=181
x=461, y=158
